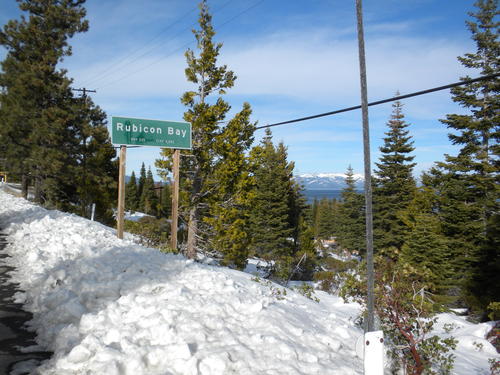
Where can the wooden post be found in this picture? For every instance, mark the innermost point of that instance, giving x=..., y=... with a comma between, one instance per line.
x=121, y=193
x=175, y=199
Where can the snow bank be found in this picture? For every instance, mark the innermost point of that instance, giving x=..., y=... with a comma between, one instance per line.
x=473, y=350
x=109, y=306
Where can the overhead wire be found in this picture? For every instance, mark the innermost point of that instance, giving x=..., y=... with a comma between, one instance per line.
x=394, y=98
x=121, y=60
x=179, y=48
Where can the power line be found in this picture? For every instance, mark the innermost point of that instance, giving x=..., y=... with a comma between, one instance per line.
x=181, y=47
x=121, y=60
x=84, y=91
x=451, y=85
x=116, y=66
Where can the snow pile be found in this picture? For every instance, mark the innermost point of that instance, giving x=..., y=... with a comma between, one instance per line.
x=135, y=216
x=473, y=349
x=108, y=306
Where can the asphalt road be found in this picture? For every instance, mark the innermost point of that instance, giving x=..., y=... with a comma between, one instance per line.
x=13, y=334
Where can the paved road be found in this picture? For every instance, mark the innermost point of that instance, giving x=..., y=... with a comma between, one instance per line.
x=13, y=335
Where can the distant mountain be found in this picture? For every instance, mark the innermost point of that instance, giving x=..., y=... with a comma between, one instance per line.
x=327, y=181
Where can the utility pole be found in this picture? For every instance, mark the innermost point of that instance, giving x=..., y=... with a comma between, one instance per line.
x=373, y=342
x=367, y=165
x=84, y=91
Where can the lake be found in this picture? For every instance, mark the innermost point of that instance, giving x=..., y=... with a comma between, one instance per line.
x=320, y=194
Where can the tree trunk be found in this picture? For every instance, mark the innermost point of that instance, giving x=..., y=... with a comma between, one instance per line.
x=38, y=189
x=419, y=366
x=192, y=230
x=24, y=185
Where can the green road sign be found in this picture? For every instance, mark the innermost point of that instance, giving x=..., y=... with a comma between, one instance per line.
x=141, y=132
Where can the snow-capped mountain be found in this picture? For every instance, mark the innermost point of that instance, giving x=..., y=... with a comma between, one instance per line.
x=327, y=181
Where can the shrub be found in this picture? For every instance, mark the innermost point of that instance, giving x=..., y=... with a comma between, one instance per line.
x=151, y=231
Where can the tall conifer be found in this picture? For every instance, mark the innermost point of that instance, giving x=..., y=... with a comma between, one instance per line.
x=469, y=182
x=131, y=202
x=272, y=227
x=351, y=227
x=140, y=185
x=37, y=96
x=206, y=111
x=149, y=199
x=394, y=183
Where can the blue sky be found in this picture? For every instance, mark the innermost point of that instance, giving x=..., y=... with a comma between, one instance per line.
x=292, y=58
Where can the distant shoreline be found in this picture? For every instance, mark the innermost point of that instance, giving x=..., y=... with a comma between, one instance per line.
x=320, y=194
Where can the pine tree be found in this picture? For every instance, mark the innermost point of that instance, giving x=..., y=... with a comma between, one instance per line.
x=149, y=199
x=140, y=186
x=327, y=217
x=468, y=183
x=166, y=201
x=271, y=224
x=351, y=217
x=314, y=216
x=205, y=114
x=231, y=201
x=394, y=184
x=96, y=172
x=58, y=141
x=306, y=249
x=131, y=202
x=427, y=250
x=36, y=99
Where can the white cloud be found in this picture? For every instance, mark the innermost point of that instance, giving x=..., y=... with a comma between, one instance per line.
x=310, y=66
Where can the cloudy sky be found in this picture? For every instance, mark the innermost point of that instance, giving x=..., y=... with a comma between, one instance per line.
x=293, y=58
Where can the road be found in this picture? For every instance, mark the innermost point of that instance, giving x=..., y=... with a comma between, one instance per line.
x=13, y=334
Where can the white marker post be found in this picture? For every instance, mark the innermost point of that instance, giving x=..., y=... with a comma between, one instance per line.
x=121, y=193
x=373, y=357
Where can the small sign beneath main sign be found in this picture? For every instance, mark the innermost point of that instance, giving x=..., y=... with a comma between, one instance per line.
x=142, y=132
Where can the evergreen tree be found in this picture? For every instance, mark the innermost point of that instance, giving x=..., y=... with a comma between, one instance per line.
x=271, y=224
x=231, y=201
x=36, y=99
x=166, y=201
x=149, y=199
x=394, y=184
x=307, y=249
x=131, y=202
x=96, y=172
x=205, y=114
x=140, y=186
x=314, y=212
x=58, y=141
x=327, y=216
x=269, y=215
x=427, y=250
x=468, y=184
x=351, y=232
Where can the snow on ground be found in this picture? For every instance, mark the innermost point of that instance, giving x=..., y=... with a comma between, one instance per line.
x=473, y=350
x=135, y=216
x=109, y=306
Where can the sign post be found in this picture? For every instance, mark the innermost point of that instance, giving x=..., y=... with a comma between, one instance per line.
x=175, y=200
x=155, y=133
